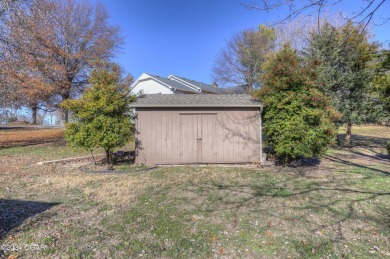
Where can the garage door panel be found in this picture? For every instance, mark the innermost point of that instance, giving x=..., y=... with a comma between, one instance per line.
x=188, y=138
x=209, y=138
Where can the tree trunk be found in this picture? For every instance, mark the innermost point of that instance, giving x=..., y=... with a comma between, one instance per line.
x=34, y=109
x=339, y=140
x=349, y=133
x=108, y=156
x=66, y=116
x=65, y=113
x=109, y=160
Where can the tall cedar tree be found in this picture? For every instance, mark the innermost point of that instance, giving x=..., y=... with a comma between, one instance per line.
x=298, y=117
x=380, y=88
x=51, y=46
x=102, y=117
x=378, y=101
x=345, y=71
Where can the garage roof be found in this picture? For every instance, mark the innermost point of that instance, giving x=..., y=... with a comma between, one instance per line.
x=195, y=100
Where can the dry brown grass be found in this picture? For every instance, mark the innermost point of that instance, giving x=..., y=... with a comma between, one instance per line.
x=372, y=131
x=24, y=136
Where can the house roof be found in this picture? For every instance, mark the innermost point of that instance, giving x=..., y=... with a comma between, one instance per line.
x=177, y=83
x=202, y=86
x=195, y=100
x=173, y=84
x=239, y=89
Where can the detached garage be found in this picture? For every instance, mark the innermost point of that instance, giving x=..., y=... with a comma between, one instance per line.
x=197, y=129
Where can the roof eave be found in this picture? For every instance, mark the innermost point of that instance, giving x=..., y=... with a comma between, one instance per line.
x=196, y=106
x=186, y=83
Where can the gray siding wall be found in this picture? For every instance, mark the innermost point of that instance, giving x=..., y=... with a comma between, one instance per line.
x=197, y=135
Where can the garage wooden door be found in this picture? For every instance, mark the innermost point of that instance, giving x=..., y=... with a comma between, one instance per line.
x=197, y=137
x=187, y=136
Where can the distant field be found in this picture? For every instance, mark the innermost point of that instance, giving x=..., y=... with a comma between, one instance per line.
x=368, y=130
x=24, y=136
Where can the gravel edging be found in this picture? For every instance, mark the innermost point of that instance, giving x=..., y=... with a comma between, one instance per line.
x=116, y=171
x=68, y=159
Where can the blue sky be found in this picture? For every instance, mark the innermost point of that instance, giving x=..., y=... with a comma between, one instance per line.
x=183, y=37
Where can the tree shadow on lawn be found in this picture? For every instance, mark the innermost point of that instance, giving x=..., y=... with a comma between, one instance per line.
x=377, y=156
x=362, y=152
x=365, y=141
x=336, y=197
x=370, y=144
x=346, y=162
x=335, y=204
x=14, y=212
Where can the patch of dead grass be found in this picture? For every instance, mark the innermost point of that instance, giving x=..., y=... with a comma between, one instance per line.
x=29, y=136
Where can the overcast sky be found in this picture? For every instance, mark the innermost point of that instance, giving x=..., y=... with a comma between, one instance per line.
x=183, y=37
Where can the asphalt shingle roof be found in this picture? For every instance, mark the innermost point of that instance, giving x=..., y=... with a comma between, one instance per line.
x=195, y=100
x=202, y=86
x=240, y=89
x=173, y=84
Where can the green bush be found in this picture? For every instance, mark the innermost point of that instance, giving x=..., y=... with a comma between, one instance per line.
x=298, y=116
x=388, y=147
x=102, y=115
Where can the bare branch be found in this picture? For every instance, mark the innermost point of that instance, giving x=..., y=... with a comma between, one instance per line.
x=297, y=32
x=267, y=6
x=296, y=8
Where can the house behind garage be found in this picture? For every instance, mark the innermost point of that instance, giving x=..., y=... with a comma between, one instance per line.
x=153, y=84
x=197, y=129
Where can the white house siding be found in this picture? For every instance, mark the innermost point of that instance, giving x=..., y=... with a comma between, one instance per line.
x=143, y=76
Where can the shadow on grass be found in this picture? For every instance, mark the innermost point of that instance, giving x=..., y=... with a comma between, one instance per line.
x=346, y=162
x=376, y=156
x=14, y=212
x=365, y=141
x=335, y=203
x=280, y=190
x=305, y=163
x=363, y=149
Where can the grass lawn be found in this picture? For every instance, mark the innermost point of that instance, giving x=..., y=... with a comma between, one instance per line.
x=339, y=208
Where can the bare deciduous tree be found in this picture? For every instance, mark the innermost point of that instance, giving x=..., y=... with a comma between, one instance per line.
x=10, y=101
x=5, y=4
x=239, y=63
x=297, y=32
x=53, y=44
